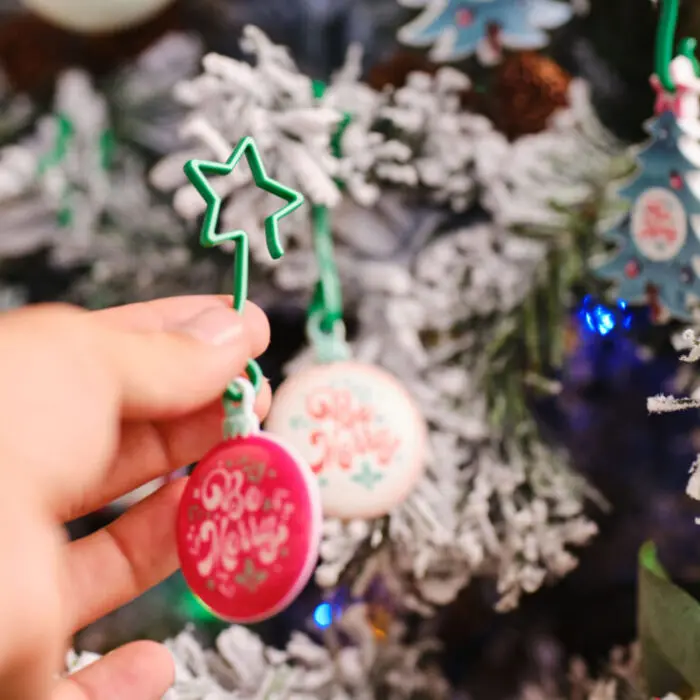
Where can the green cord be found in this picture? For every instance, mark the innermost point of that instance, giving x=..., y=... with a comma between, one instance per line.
x=197, y=172
x=328, y=296
x=325, y=328
x=665, y=38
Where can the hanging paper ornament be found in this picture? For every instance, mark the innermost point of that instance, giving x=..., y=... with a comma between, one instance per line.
x=360, y=431
x=96, y=16
x=355, y=424
x=457, y=29
x=659, y=239
x=249, y=523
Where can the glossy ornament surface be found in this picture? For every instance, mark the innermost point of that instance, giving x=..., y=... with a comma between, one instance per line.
x=360, y=431
x=96, y=16
x=249, y=528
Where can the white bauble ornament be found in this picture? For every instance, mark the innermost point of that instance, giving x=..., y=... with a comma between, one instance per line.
x=96, y=16
x=360, y=431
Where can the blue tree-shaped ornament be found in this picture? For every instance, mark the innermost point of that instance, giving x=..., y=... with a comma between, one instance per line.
x=457, y=28
x=659, y=238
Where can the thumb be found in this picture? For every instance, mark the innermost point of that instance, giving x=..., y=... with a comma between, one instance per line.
x=178, y=369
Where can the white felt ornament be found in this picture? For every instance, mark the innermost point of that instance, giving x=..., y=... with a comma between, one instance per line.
x=359, y=429
x=96, y=16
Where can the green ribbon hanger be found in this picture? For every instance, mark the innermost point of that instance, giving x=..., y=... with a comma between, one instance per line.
x=665, y=42
x=325, y=327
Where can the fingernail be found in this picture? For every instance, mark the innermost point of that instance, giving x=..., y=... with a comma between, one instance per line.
x=215, y=326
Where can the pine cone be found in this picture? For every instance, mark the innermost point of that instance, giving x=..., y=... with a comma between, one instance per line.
x=395, y=70
x=527, y=89
x=33, y=53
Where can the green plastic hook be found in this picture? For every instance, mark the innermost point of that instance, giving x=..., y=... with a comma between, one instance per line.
x=665, y=41
x=198, y=172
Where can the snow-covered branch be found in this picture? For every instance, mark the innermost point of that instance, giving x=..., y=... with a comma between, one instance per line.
x=548, y=175
x=243, y=668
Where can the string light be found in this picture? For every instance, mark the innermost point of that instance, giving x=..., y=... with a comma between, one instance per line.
x=602, y=320
x=324, y=614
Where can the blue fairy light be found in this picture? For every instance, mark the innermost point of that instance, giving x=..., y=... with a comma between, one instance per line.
x=602, y=320
x=323, y=615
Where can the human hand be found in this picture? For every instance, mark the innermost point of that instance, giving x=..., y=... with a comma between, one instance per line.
x=93, y=405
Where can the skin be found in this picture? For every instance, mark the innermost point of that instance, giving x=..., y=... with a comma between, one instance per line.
x=93, y=405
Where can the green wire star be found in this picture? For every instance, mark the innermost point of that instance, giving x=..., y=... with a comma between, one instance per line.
x=198, y=172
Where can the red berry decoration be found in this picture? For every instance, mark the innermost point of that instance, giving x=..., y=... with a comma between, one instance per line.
x=632, y=269
x=464, y=18
x=676, y=181
x=249, y=528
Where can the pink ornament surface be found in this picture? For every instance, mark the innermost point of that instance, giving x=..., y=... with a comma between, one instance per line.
x=249, y=528
x=360, y=431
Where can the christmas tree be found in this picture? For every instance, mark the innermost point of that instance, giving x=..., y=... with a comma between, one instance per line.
x=658, y=238
x=457, y=29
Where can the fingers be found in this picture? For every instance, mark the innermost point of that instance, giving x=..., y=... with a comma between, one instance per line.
x=119, y=562
x=169, y=373
x=149, y=451
x=137, y=671
x=32, y=601
x=161, y=314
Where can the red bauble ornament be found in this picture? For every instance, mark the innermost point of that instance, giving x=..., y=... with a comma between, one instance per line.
x=632, y=269
x=676, y=181
x=464, y=18
x=249, y=528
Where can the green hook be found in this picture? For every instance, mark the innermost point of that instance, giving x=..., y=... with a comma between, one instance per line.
x=665, y=38
x=197, y=172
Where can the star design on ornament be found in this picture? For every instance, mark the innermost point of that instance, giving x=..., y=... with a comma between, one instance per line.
x=255, y=471
x=298, y=423
x=199, y=171
x=251, y=578
x=367, y=477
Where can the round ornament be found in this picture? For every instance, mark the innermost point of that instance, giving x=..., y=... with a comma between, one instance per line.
x=659, y=224
x=96, y=16
x=249, y=528
x=360, y=431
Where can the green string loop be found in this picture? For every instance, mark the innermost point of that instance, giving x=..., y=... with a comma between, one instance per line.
x=329, y=346
x=665, y=40
x=241, y=420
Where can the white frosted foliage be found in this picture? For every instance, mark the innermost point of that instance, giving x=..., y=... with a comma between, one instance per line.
x=242, y=667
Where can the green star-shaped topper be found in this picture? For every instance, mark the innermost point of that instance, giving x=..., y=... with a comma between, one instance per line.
x=198, y=172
